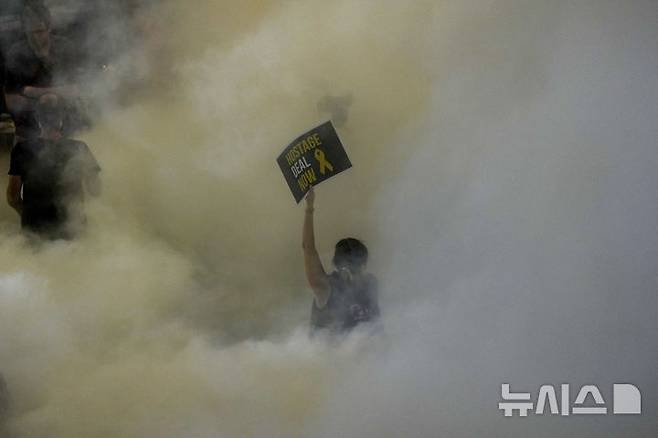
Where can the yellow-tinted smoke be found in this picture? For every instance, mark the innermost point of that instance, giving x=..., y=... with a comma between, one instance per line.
x=504, y=181
x=148, y=325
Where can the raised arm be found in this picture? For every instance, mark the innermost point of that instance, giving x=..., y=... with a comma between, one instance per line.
x=315, y=273
x=66, y=91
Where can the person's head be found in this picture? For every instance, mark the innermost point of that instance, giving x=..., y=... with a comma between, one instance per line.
x=350, y=254
x=36, y=21
x=50, y=113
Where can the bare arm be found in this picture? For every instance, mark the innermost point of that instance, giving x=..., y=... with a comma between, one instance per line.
x=315, y=274
x=17, y=103
x=14, y=193
x=66, y=91
x=28, y=96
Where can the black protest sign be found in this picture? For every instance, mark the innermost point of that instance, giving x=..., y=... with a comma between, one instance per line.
x=312, y=158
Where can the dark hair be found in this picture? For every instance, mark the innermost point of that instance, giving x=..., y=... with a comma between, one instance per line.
x=50, y=112
x=350, y=252
x=35, y=10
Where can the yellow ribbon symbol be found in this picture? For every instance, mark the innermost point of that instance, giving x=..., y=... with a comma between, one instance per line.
x=322, y=160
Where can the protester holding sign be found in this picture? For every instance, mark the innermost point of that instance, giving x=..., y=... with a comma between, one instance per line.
x=348, y=296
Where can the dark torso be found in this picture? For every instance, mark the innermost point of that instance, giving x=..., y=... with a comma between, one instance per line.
x=52, y=173
x=350, y=303
x=24, y=68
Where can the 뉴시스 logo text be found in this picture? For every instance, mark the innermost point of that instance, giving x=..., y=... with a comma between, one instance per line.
x=626, y=399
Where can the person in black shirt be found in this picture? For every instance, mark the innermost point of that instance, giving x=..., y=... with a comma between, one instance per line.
x=53, y=173
x=42, y=63
x=348, y=296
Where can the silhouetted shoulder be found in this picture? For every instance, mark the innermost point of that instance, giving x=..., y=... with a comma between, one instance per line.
x=85, y=154
x=77, y=144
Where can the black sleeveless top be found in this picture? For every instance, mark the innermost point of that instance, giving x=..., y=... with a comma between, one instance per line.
x=351, y=302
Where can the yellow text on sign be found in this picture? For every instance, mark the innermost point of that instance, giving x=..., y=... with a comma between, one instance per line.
x=303, y=146
x=307, y=178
